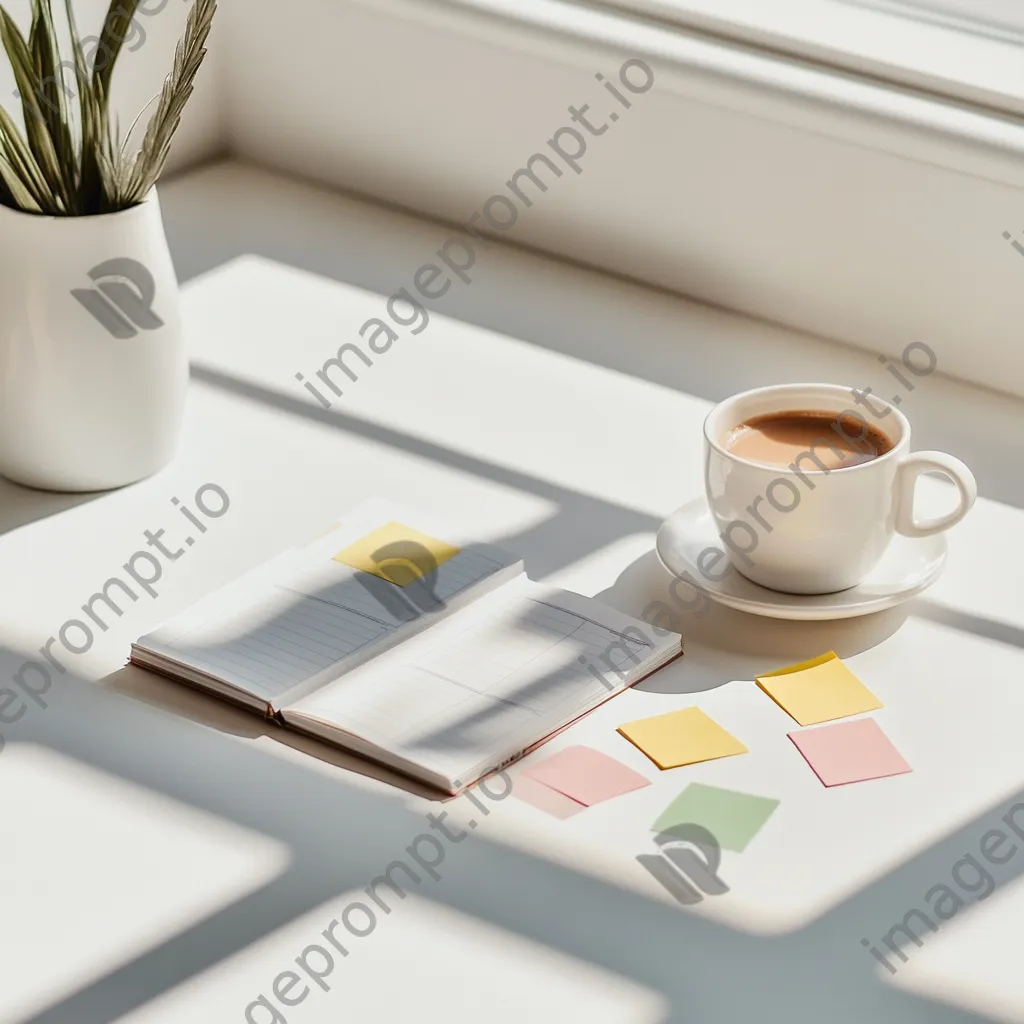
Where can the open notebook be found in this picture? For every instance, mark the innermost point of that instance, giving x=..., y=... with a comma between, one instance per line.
x=439, y=659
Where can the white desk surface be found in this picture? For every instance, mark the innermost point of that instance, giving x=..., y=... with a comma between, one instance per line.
x=165, y=857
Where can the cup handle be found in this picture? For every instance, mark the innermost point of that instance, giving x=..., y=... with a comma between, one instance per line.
x=910, y=468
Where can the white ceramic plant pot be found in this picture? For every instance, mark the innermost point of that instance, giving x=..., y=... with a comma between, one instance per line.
x=93, y=367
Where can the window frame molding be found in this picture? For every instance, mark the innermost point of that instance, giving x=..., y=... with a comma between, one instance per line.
x=873, y=38
x=892, y=118
x=825, y=201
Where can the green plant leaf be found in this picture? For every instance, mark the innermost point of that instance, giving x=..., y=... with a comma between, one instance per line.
x=91, y=124
x=70, y=160
x=115, y=30
x=43, y=44
x=6, y=195
x=13, y=191
x=19, y=157
x=36, y=129
x=178, y=87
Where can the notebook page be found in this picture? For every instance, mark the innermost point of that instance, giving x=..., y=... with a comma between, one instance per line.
x=490, y=681
x=304, y=617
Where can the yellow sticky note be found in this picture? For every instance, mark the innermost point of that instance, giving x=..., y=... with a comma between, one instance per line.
x=681, y=737
x=397, y=553
x=820, y=690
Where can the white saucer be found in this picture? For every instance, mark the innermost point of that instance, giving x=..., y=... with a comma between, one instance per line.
x=908, y=567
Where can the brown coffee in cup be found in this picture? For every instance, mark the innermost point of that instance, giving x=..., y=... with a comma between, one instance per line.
x=778, y=438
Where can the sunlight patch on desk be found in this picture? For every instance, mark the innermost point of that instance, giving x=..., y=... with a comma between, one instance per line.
x=973, y=961
x=422, y=959
x=98, y=871
x=564, y=416
x=589, y=574
x=824, y=850
x=975, y=593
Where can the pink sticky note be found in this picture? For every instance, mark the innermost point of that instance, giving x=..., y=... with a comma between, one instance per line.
x=544, y=798
x=586, y=776
x=850, y=752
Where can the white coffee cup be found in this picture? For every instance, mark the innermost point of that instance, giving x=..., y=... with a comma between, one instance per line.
x=805, y=529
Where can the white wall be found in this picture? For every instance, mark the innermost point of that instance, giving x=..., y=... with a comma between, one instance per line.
x=139, y=75
x=789, y=194
x=851, y=226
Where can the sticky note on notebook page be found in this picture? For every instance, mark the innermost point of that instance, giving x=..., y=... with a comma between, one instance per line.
x=820, y=690
x=681, y=737
x=397, y=553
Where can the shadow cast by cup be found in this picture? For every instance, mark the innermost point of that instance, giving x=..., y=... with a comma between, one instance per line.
x=722, y=644
x=20, y=506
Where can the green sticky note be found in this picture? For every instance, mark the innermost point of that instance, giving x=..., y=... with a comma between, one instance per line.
x=733, y=818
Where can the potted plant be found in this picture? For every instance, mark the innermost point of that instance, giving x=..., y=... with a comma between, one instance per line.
x=93, y=367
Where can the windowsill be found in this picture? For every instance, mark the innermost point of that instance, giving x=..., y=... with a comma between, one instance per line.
x=572, y=319
x=866, y=37
x=827, y=201
x=901, y=120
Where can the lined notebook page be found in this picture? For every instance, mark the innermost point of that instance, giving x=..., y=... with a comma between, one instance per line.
x=508, y=671
x=304, y=616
